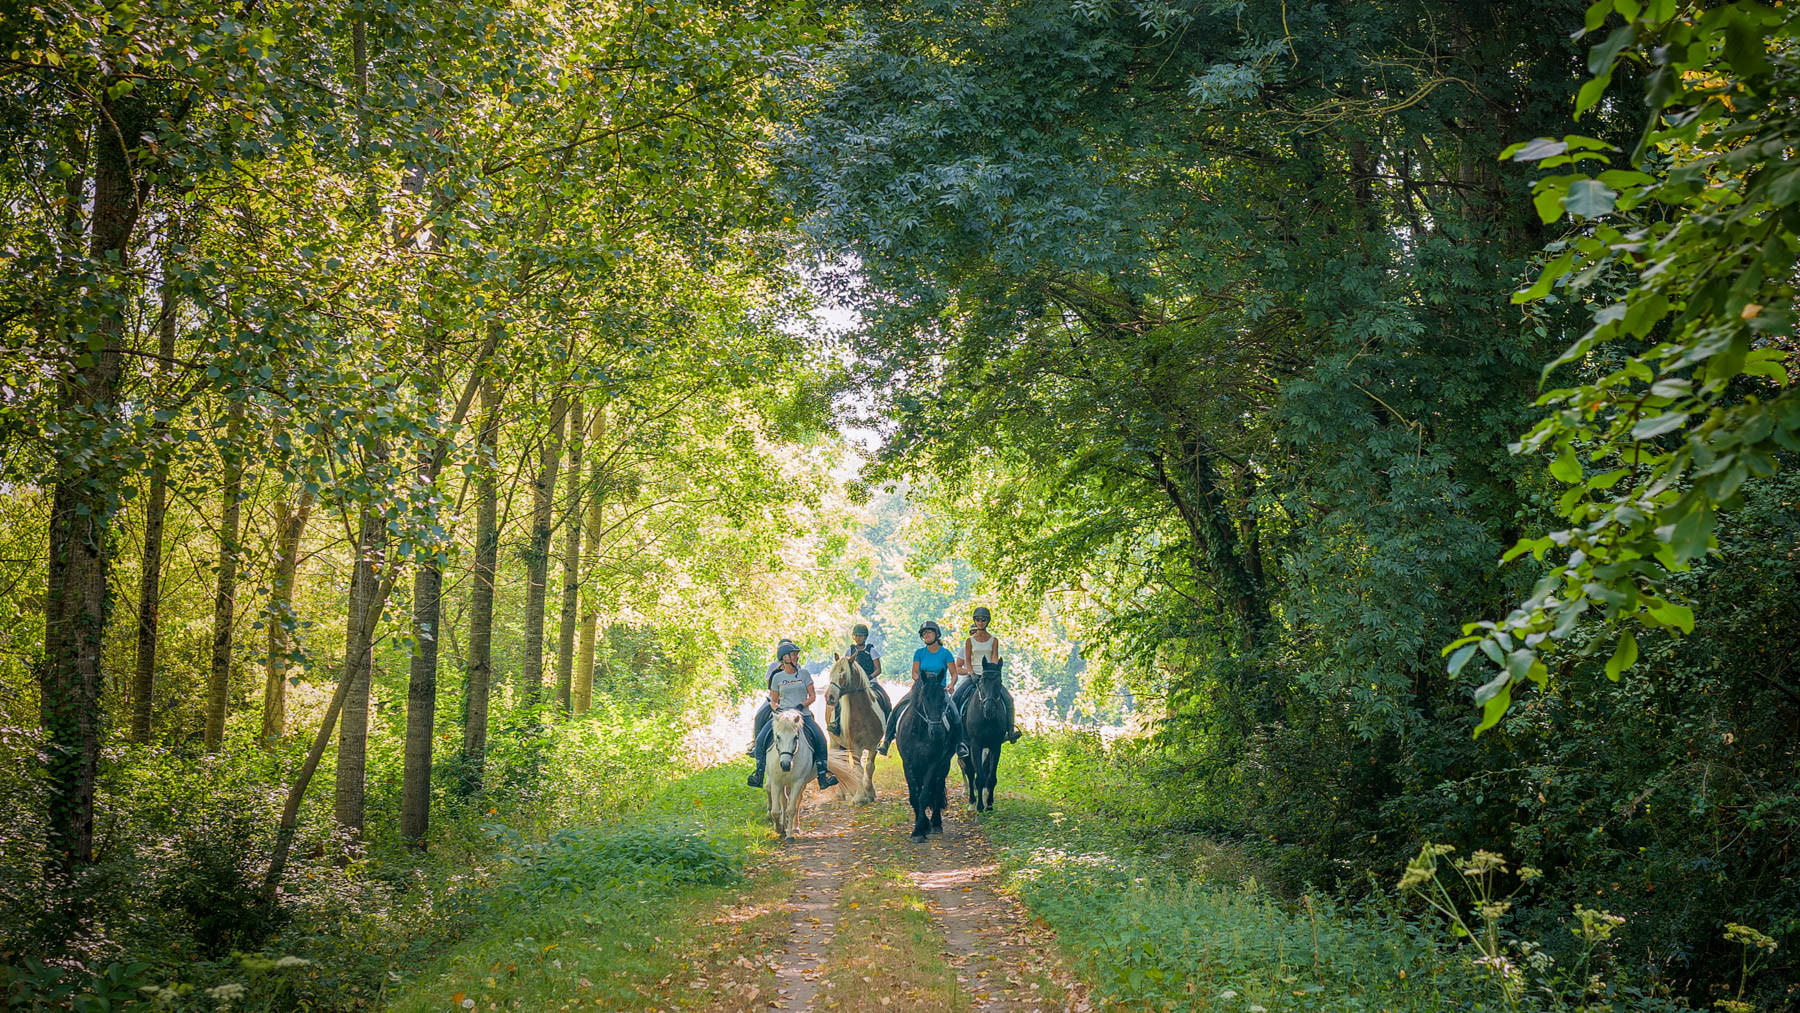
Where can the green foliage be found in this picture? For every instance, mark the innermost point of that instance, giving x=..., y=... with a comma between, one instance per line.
x=1684, y=257
x=1159, y=917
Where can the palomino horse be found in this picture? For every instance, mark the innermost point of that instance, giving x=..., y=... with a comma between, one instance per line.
x=791, y=769
x=984, y=726
x=926, y=746
x=863, y=720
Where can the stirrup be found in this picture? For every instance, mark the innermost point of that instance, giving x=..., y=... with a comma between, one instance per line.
x=827, y=779
x=755, y=780
x=1013, y=736
x=883, y=748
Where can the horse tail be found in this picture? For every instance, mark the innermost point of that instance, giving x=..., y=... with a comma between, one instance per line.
x=849, y=775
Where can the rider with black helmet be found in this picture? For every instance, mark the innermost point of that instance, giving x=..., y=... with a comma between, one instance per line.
x=790, y=688
x=980, y=654
x=933, y=659
x=867, y=657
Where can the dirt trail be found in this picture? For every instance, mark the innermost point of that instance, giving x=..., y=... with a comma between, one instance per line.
x=818, y=855
x=1002, y=959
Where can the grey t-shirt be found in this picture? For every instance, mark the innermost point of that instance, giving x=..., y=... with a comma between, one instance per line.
x=791, y=685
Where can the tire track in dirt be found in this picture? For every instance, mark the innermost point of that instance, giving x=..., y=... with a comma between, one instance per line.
x=818, y=856
x=1004, y=959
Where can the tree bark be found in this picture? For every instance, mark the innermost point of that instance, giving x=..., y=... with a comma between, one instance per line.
x=156, y=505
x=582, y=697
x=571, y=570
x=218, y=682
x=290, y=524
x=538, y=553
x=421, y=705
x=428, y=585
x=371, y=544
x=83, y=504
x=479, y=672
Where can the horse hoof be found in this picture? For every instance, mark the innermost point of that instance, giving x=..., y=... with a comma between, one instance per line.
x=918, y=838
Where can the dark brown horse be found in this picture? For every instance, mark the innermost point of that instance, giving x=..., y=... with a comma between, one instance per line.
x=985, y=726
x=926, y=747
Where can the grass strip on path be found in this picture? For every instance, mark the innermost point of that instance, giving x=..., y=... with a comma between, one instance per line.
x=678, y=908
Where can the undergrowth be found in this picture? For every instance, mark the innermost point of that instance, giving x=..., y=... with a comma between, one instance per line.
x=1157, y=918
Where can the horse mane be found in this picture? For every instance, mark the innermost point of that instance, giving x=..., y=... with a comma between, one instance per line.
x=844, y=664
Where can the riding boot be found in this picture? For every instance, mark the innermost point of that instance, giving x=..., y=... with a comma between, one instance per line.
x=821, y=753
x=836, y=724
x=954, y=713
x=893, y=725
x=760, y=750
x=1012, y=725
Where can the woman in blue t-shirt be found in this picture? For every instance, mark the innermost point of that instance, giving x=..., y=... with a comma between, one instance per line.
x=935, y=660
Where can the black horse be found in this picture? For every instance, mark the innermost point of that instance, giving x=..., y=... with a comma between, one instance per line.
x=985, y=724
x=926, y=746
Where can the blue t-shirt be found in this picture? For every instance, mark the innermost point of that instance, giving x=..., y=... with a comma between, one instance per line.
x=932, y=662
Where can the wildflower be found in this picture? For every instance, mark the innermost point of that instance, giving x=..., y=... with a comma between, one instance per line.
x=1483, y=863
x=1596, y=926
x=228, y=992
x=1529, y=874
x=1748, y=936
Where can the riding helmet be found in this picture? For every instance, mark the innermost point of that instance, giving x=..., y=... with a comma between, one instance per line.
x=983, y=614
x=931, y=624
x=859, y=630
x=784, y=648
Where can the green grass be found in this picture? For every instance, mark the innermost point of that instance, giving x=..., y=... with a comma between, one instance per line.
x=627, y=916
x=1157, y=919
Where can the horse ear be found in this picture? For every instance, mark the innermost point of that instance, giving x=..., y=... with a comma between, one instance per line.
x=835, y=656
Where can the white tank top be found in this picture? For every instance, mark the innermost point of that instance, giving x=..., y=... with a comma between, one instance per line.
x=983, y=652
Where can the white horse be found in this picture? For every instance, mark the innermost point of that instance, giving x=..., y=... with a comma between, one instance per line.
x=790, y=769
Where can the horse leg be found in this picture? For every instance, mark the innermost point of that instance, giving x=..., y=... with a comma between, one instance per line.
x=990, y=774
x=969, y=775
x=939, y=797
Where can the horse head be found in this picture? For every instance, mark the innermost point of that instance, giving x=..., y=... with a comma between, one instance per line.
x=846, y=677
x=787, y=725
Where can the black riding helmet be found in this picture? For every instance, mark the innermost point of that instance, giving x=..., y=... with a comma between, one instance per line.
x=931, y=624
x=983, y=615
x=859, y=630
x=785, y=648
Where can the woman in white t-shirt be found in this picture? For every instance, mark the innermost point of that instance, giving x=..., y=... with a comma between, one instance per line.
x=791, y=689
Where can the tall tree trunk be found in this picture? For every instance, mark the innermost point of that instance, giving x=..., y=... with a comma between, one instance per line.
x=479, y=673
x=371, y=545
x=83, y=503
x=156, y=505
x=218, y=683
x=538, y=554
x=582, y=697
x=421, y=704
x=428, y=585
x=290, y=524
x=571, y=570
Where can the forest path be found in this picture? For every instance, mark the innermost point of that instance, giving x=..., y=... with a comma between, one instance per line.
x=879, y=922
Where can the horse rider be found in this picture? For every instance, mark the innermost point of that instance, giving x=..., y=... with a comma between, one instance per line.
x=981, y=648
x=790, y=688
x=867, y=657
x=934, y=660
